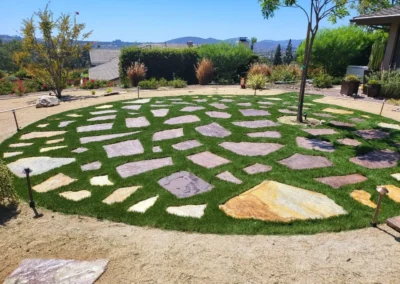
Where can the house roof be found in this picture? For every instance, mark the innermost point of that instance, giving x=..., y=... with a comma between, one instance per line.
x=382, y=17
x=107, y=71
x=100, y=56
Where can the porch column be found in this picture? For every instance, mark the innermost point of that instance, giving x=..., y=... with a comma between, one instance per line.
x=391, y=45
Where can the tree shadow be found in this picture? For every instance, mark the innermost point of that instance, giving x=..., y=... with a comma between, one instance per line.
x=7, y=213
x=397, y=239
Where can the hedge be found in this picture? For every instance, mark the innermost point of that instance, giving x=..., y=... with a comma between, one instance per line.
x=167, y=63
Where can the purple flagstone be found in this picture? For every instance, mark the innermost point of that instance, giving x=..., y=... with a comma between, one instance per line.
x=186, y=145
x=341, y=124
x=80, y=150
x=339, y=181
x=160, y=112
x=91, y=166
x=296, y=107
x=137, y=122
x=244, y=104
x=286, y=111
x=182, y=119
x=265, y=103
x=159, y=105
x=213, y=130
x=201, y=100
x=103, y=112
x=349, y=142
x=104, y=117
x=372, y=134
x=125, y=148
x=226, y=101
x=322, y=114
x=168, y=134
x=265, y=134
x=227, y=176
x=315, y=144
x=257, y=168
x=208, y=160
x=318, y=131
x=378, y=159
x=251, y=149
x=182, y=103
x=95, y=127
x=65, y=123
x=184, y=184
x=134, y=107
x=254, y=112
x=157, y=149
x=356, y=119
x=218, y=114
x=255, y=123
x=219, y=106
x=137, y=168
x=394, y=223
x=303, y=162
x=89, y=139
x=192, y=108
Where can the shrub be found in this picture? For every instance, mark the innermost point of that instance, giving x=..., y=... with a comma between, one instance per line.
x=258, y=68
x=323, y=81
x=151, y=84
x=10, y=79
x=19, y=88
x=109, y=90
x=257, y=81
x=390, y=83
x=163, y=82
x=93, y=92
x=6, y=87
x=21, y=74
x=2, y=74
x=33, y=86
x=136, y=73
x=7, y=192
x=286, y=73
x=352, y=78
x=204, y=71
x=177, y=83
x=337, y=80
x=93, y=84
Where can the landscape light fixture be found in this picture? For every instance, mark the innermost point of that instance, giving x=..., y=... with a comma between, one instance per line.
x=27, y=171
x=382, y=191
x=138, y=90
x=15, y=119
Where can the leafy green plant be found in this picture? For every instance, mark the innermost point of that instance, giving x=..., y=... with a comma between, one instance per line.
x=6, y=87
x=256, y=82
x=204, y=71
x=352, y=78
x=7, y=192
x=373, y=82
x=93, y=92
x=323, y=81
x=286, y=73
x=93, y=84
x=377, y=54
x=177, y=83
x=151, y=84
x=163, y=82
x=109, y=90
x=136, y=73
x=2, y=74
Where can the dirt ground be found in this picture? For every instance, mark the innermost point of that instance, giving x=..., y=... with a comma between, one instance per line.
x=147, y=255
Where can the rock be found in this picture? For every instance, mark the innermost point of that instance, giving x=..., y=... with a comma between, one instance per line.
x=95, y=127
x=47, y=101
x=143, y=206
x=74, y=115
x=396, y=176
x=120, y=194
x=186, y=145
x=274, y=99
x=213, y=130
x=168, y=134
x=255, y=123
x=43, y=125
x=305, y=162
x=315, y=144
x=139, y=101
x=193, y=211
x=257, y=168
x=363, y=197
x=338, y=111
x=244, y=104
x=208, y=160
x=339, y=181
x=76, y=195
x=38, y=165
x=125, y=148
x=286, y=111
x=43, y=134
x=182, y=119
x=47, y=149
x=227, y=176
x=53, y=183
x=251, y=149
x=139, y=167
x=85, y=140
x=378, y=159
x=100, y=181
x=322, y=115
x=91, y=166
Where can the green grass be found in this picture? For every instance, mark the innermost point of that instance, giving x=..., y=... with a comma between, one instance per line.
x=214, y=220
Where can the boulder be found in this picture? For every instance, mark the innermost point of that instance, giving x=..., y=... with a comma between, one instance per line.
x=47, y=101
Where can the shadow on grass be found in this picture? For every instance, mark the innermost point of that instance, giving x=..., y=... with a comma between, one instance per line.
x=7, y=213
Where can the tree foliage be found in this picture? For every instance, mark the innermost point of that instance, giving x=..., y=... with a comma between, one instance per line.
x=278, y=56
x=288, y=58
x=253, y=42
x=370, y=6
x=7, y=50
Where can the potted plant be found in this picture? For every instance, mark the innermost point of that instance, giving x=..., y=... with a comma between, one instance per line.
x=350, y=85
x=373, y=88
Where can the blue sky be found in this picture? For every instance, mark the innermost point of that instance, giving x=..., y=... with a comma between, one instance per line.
x=161, y=20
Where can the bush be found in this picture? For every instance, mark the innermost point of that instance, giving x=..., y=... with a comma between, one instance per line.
x=256, y=81
x=93, y=84
x=165, y=63
x=109, y=90
x=352, y=78
x=337, y=80
x=151, y=84
x=163, y=82
x=32, y=86
x=6, y=87
x=204, y=71
x=286, y=73
x=136, y=73
x=21, y=74
x=154, y=84
x=322, y=81
x=2, y=74
x=7, y=192
x=390, y=82
x=93, y=92
x=258, y=68
x=10, y=79
x=177, y=83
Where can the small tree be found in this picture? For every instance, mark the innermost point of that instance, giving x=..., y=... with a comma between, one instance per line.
x=253, y=42
x=50, y=56
x=278, y=56
x=288, y=58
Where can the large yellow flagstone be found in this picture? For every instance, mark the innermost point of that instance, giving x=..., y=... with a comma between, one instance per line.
x=363, y=197
x=338, y=111
x=394, y=193
x=274, y=201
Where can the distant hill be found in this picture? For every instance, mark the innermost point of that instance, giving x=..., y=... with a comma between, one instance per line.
x=195, y=40
x=273, y=44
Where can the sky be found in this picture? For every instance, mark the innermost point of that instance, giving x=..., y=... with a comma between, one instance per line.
x=162, y=20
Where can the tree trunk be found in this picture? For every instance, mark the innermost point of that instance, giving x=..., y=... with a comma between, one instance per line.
x=58, y=93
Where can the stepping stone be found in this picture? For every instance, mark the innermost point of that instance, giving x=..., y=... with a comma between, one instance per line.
x=366, y=116
x=125, y=148
x=120, y=195
x=257, y=168
x=218, y=114
x=74, y=115
x=104, y=107
x=160, y=112
x=394, y=193
x=100, y=181
x=213, y=130
x=176, y=100
x=219, y=106
x=305, y=162
x=143, y=206
x=184, y=184
x=308, y=104
x=182, y=120
x=43, y=125
x=394, y=223
x=44, y=134
x=76, y=195
x=38, y=270
x=389, y=125
x=315, y=144
x=244, y=104
x=104, y=117
x=38, y=165
x=274, y=201
x=201, y=100
x=80, y=150
x=140, y=101
x=255, y=123
x=227, y=176
x=263, y=106
x=186, y=145
x=137, y=122
x=103, y=112
x=85, y=140
x=208, y=160
x=339, y=181
x=286, y=111
x=251, y=149
x=274, y=99
x=182, y=103
x=193, y=211
x=137, y=168
x=168, y=134
x=254, y=112
x=95, y=127
x=349, y=142
x=338, y=111
x=265, y=134
x=135, y=107
x=19, y=145
x=322, y=115
x=192, y=108
x=265, y=103
x=317, y=131
x=91, y=166
x=65, y=123
x=47, y=149
x=11, y=154
x=396, y=176
x=341, y=124
x=53, y=183
x=363, y=197
x=157, y=149
x=159, y=105
x=226, y=100
x=358, y=120
x=378, y=159
x=55, y=141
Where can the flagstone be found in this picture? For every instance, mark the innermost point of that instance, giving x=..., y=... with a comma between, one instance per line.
x=182, y=103
x=363, y=197
x=89, y=139
x=104, y=117
x=265, y=103
x=303, y=162
x=192, y=108
x=80, y=150
x=265, y=134
x=11, y=154
x=176, y=100
x=349, y=142
x=100, y=181
x=315, y=144
x=219, y=106
x=201, y=100
x=137, y=122
x=55, y=141
x=227, y=176
x=182, y=119
x=366, y=116
x=43, y=125
x=389, y=125
x=186, y=145
x=251, y=149
x=74, y=115
x=319, y=131
x=104, y=106
x=193, y=211
x=160, y=105
x=338, y=111
x=339, y=181
x=65, y=123
x=274, y=201
x=396, y=176
x=139, y=167
x=47, y=149
x=95, y=127
x=168, y=134
x=160, y=112
x=218, y=114
x=378, y=159
x=134, y=107
x=103, y=112
x=244, y=104
x=394, y=193
x=296, y=108
x=308, y=104
x=322, y=115
x=157, y=149
x=341, y=124
x=76, y=195
x=18, y=145
x=213, y=130
x=257, y=168
x=43, y=134
x=226, y=100
x=139, y=101
x=208, y=160
x=53, y=183
x=274, y=99
x=144, y=205
x=38, y=165
x=286, y=111
x=254, y=112
x=121, y=194
x=125, y=148
x=91, y=166
x=358, y=120
x=394, y=223
x=292, y=120
x=184, y=184
x=255, y=123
